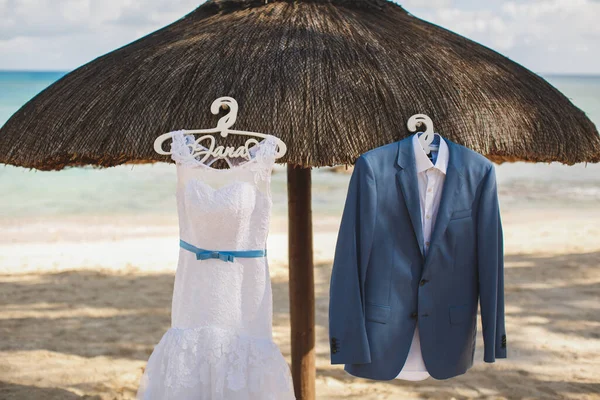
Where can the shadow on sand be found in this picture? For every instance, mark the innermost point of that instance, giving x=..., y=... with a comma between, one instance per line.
x=124, y=315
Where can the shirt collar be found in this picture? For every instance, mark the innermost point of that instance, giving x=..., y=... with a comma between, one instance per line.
x=423, y=162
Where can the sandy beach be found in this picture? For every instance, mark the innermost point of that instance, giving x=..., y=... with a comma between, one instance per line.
x=83, y=302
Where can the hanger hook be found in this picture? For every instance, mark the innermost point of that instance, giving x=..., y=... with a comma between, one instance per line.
x=417, y=121
x=226, y=121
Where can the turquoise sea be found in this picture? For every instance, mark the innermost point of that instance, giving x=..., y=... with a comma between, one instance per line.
x=147, y=190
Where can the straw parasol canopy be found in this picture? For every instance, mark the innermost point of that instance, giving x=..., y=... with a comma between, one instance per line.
x=332, y=79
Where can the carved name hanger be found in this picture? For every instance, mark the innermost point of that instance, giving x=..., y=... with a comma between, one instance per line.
x=222, y=127
x=426, y=139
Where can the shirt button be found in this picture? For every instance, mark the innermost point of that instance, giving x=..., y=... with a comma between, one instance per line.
x=428, y=216
x=427, y=243
x=429, y=190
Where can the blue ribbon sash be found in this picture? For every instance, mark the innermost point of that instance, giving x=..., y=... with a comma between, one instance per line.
x=223, y=255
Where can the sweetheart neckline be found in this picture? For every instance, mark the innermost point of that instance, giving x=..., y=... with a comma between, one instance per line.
x=202, y=165
x=213, y=189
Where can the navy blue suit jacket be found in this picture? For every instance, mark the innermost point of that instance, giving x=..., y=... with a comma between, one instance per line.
x=382, y=285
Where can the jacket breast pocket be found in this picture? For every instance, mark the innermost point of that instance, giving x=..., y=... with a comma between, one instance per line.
x=460, y=314
x=377, y=313
x=461, y=238
x=460, y=214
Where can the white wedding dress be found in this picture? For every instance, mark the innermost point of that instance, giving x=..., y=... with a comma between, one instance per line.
x=220, y=344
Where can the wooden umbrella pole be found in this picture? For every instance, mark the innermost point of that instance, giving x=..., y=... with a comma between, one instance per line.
x=302, y=282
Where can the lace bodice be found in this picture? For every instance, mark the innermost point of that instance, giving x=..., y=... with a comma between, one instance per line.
x=236, y=199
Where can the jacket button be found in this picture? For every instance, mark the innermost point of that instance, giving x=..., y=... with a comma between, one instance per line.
x=423, y=281
x=414, y=315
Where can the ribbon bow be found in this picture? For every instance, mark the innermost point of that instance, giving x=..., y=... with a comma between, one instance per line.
x=206, y=254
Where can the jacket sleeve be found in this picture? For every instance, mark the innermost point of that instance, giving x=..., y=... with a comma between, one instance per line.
x=348, y=336
x=490, y=261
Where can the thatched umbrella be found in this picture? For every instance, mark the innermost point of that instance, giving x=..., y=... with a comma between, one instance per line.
x=332, y=78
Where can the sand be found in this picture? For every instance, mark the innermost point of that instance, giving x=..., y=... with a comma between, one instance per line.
x=83, y=302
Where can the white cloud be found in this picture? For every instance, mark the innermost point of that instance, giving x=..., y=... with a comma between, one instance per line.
x=36, y=19
x=63, y=34
x=425, y=4
x=39, y=18
x=548, y=36
x=544, y=35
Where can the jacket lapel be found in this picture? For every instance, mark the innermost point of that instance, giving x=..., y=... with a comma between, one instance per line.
x=452, y=185
x=407, y=177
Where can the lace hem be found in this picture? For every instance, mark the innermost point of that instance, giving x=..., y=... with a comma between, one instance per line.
x=214, y=363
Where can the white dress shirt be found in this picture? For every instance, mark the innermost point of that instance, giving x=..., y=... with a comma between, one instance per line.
x=431, y=181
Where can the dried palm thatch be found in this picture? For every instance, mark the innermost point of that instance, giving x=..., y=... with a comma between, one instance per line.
x=333, y=79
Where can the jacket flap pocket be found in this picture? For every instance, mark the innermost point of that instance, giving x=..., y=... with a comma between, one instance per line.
x=377, y=313
x=460, y=314
x=461, y=214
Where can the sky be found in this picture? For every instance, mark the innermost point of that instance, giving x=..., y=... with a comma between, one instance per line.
x=546, y=36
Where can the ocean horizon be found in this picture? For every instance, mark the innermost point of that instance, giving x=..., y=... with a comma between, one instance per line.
x=150, y=189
